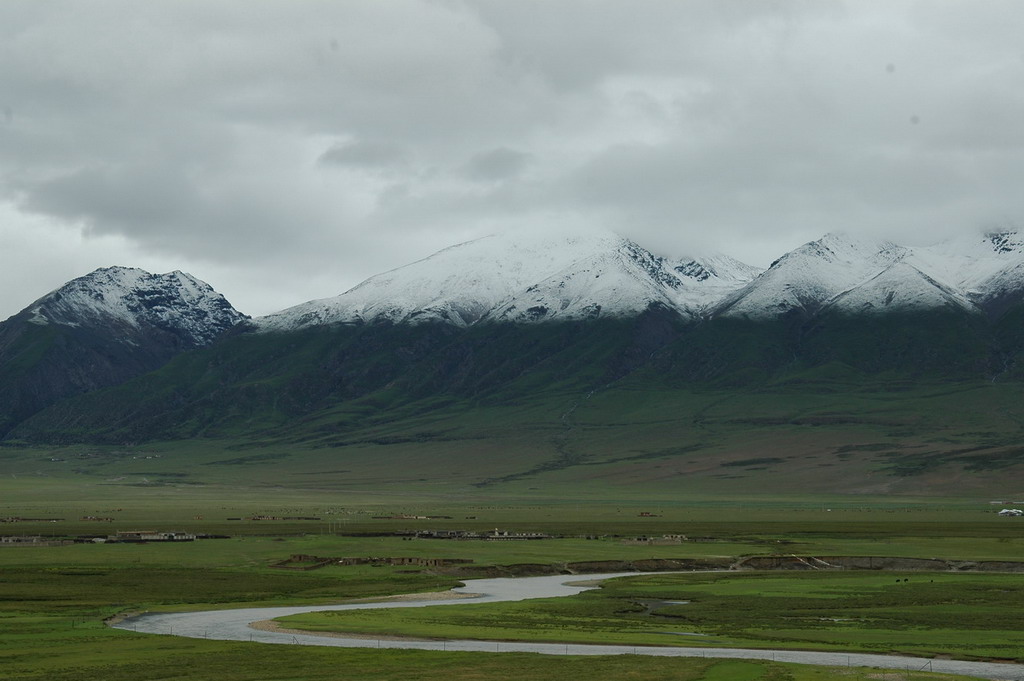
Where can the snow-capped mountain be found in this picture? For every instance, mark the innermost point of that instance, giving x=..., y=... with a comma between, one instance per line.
x=509, y=278
x=625, y=280
x=128, y=299
x=808, y=277
x=976, y=274
x=100, y=330
x=514, y=278
x=988, y=270
x=820, y=306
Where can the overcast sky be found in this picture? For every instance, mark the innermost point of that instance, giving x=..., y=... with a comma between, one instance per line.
x=284, y=151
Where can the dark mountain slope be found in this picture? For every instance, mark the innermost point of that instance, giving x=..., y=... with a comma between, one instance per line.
x=100, y=330
x=250, y=384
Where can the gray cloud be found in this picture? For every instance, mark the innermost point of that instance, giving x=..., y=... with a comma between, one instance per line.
x=296, y=148
x=365, y=154
x=496, y=164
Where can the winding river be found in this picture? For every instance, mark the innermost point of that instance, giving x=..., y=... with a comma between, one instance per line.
x=234, y=625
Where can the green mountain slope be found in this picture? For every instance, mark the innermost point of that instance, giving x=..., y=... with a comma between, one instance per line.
x=252, y=383
x=255, y=384
x=870, y=405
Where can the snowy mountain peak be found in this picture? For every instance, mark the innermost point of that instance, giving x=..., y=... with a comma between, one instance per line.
x=526, y=278
x=537, y=277
x=975, y=273
x=808, y=277
x=844, y=249
x=131, y=298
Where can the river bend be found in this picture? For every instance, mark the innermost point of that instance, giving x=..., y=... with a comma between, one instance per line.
x=234, y=625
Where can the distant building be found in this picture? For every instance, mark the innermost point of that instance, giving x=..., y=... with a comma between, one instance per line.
x=491, y=535
x=21, y=540
x=33, y=541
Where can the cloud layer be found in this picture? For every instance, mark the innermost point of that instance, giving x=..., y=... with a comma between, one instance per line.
x=285, y=151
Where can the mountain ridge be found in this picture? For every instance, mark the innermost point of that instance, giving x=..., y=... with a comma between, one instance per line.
x=502, y=278
x=464, y=324
x=510, y=279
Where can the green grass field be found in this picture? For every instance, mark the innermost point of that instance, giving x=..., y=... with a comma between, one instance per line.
x=689, y=465
x=53, y=599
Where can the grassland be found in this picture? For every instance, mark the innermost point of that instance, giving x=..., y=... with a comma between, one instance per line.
x=781, y=471
x=818, y=435
x=53, y=599
x=89, y=653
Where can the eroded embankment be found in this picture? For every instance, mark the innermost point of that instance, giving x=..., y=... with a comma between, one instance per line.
x=874, y=563
x=787, y=562
x=586, y=567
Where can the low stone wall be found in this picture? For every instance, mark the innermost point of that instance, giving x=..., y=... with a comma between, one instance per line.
x=461, y=567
